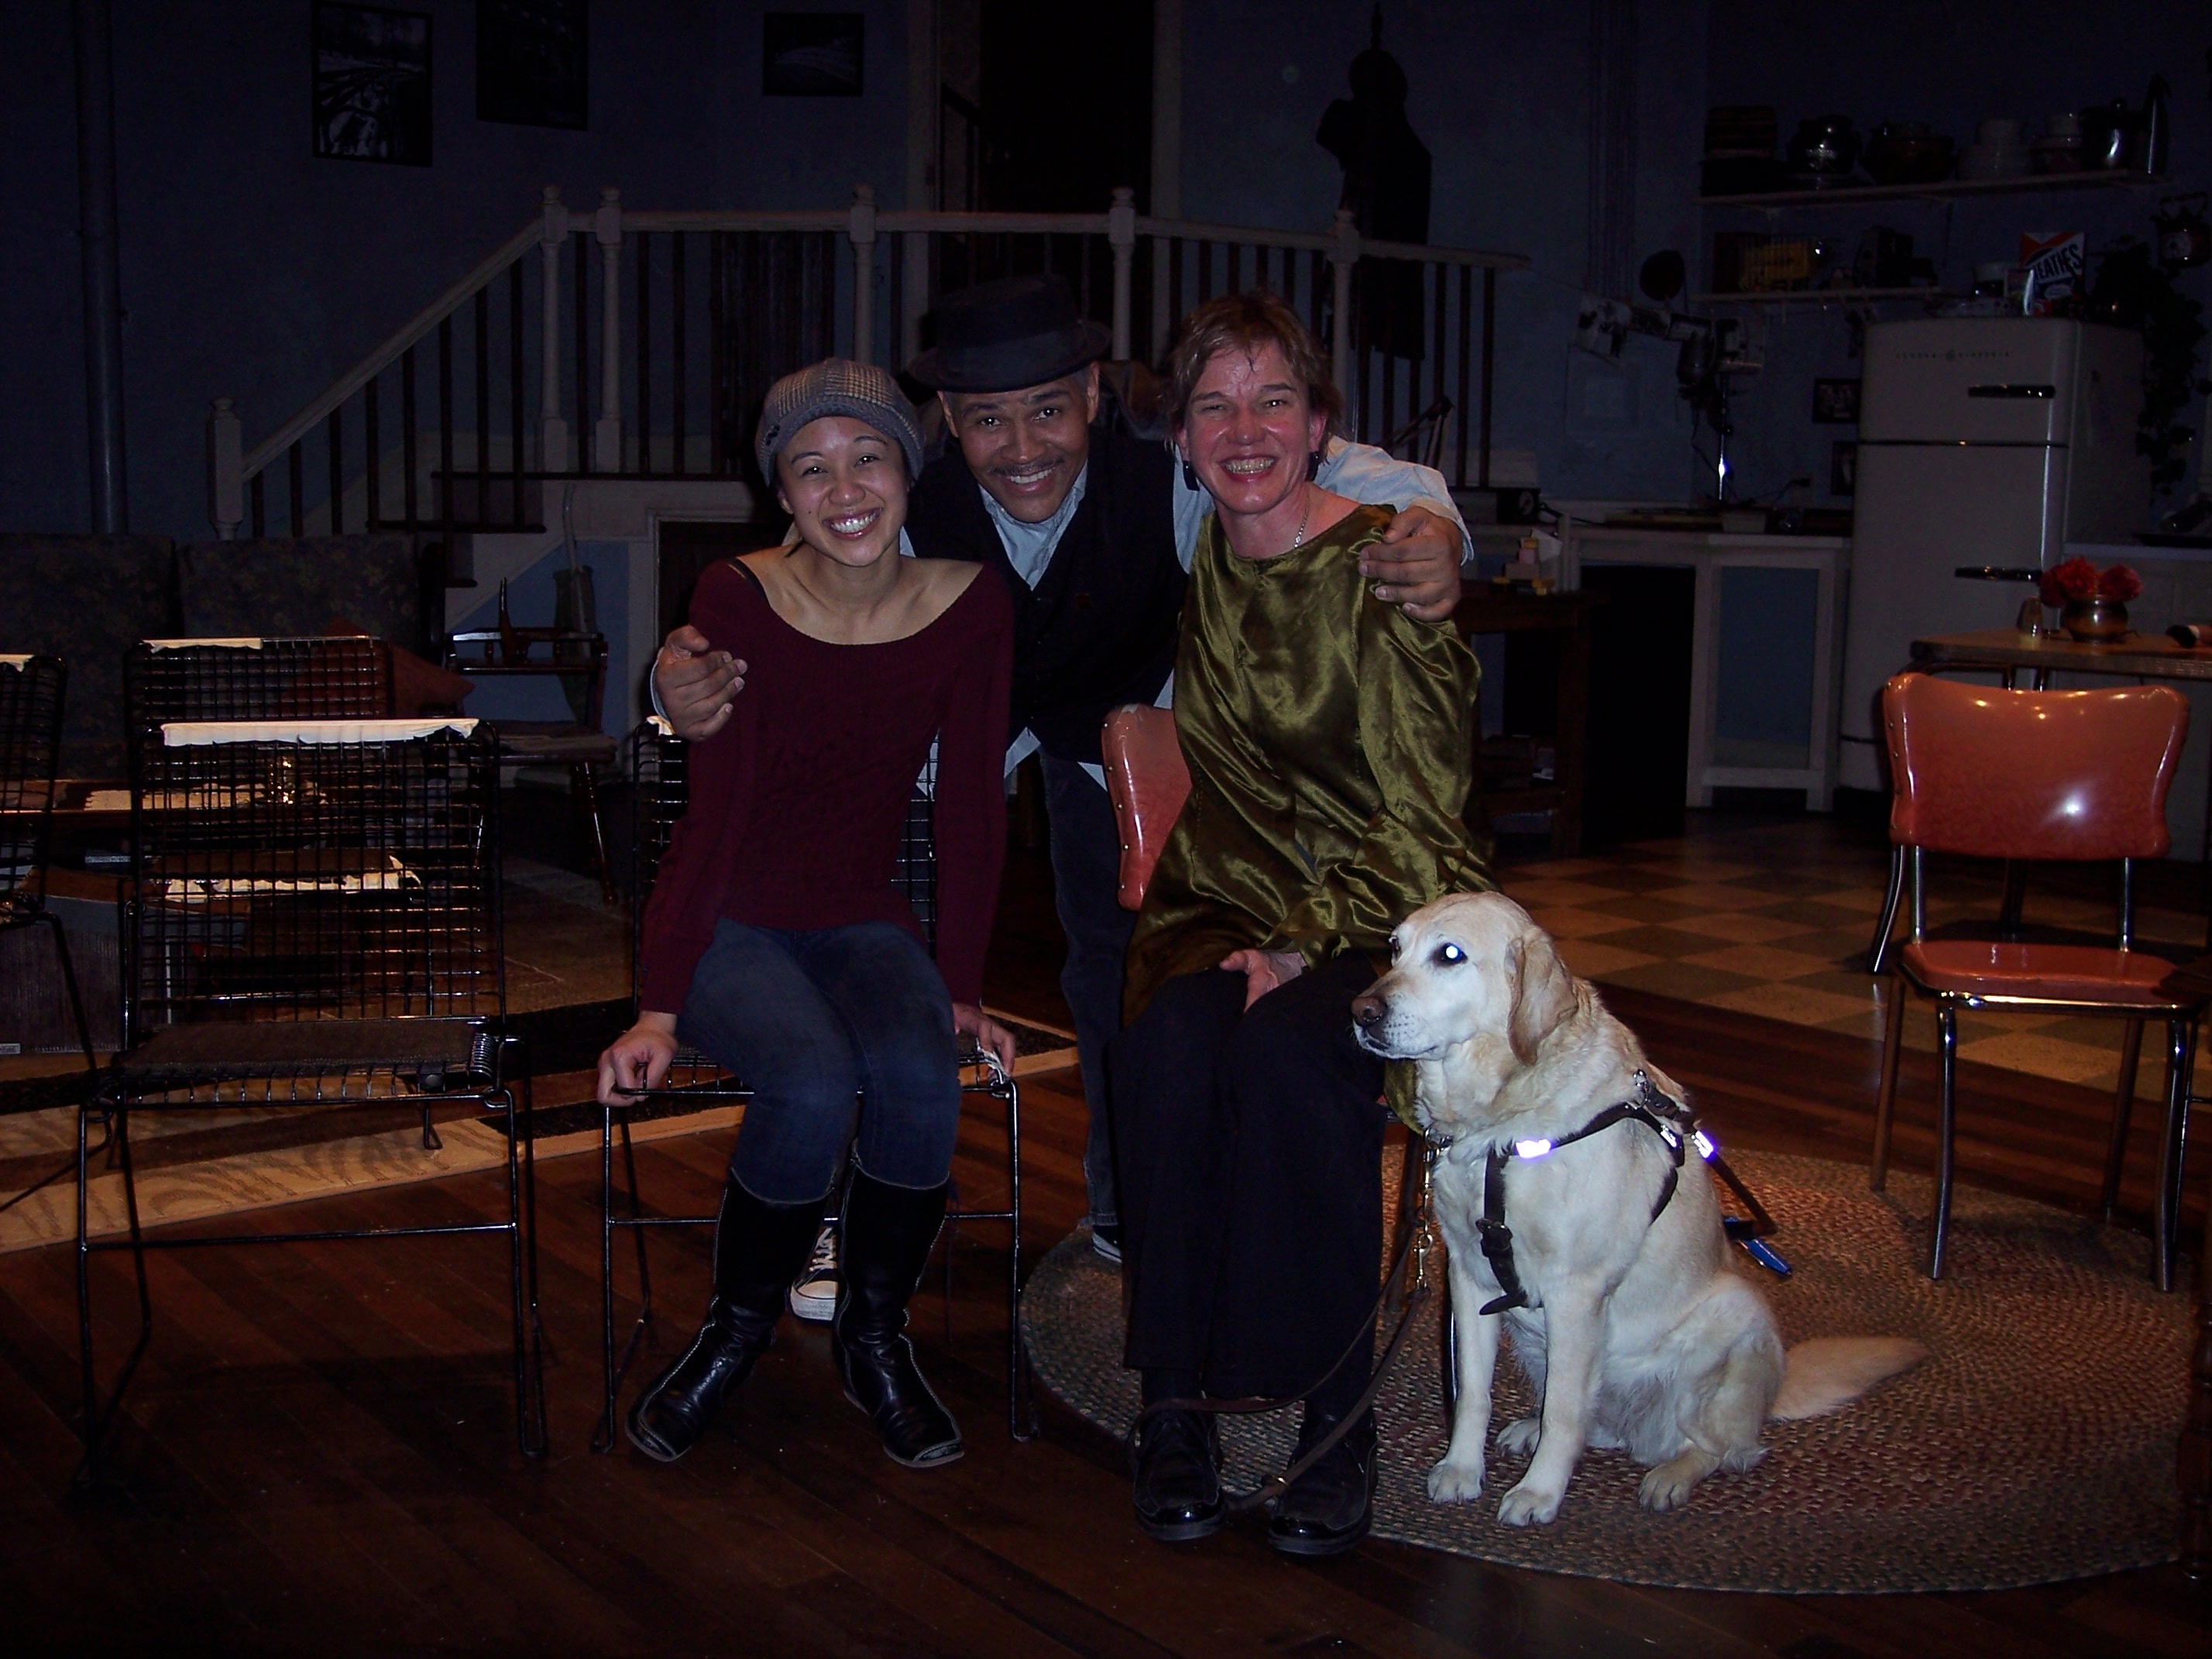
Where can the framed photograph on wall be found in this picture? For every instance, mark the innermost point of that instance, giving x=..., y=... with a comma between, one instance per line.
x=1843, y=467
x=811, y=54
x=372, y=84
x=1835, y=403
x=534, y=58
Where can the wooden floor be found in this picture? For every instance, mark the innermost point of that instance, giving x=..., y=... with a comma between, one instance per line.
x=318, y=1454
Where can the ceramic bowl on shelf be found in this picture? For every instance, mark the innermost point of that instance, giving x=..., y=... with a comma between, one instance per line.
x=1907, y=153
x=1993, y=161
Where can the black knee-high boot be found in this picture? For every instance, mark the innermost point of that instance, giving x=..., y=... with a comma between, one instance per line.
x=887, y=1234
x=758, y=1246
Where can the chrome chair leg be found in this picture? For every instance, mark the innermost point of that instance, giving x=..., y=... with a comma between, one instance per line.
x=1893, y=896
x=2123, y=1108
x=1893, y=1042
x=2173, y=1151
x=1946, y=1042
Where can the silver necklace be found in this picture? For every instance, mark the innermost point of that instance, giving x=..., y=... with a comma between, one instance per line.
x=1298, y=540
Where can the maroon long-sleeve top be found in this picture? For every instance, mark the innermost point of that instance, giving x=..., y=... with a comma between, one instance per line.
x=797, y=805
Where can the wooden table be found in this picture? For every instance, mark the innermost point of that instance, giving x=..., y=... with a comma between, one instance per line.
x=2008, y=651
x=1483, y=610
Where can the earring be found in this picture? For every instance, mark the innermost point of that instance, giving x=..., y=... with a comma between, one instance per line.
x=1313, y=466
x=1190, y=476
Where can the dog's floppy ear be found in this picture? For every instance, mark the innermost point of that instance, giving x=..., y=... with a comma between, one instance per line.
x=1543, y=993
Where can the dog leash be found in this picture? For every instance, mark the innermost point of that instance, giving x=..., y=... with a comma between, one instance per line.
x=1414, y=1253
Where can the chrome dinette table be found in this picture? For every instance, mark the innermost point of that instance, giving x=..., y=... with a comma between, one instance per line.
x=2009, y=652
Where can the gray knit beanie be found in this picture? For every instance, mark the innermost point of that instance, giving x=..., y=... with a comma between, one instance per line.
x=835, y=385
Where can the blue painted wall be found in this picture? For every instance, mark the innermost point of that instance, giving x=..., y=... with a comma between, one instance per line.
x=1500, y=94
x=252, y=269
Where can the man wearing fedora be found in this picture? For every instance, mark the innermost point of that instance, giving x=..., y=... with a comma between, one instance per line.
x=1093, y=529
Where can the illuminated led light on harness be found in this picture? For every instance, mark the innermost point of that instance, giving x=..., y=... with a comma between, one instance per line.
x=1531, y=1148
x=1703, y=1142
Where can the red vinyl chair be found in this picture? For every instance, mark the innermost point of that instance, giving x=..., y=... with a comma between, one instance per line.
x=2074, y=776
x=1148, y=782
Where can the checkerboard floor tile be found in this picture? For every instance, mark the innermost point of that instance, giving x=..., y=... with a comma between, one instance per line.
x=1774, y=918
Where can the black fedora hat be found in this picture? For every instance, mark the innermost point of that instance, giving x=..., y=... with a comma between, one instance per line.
x=1003, y=335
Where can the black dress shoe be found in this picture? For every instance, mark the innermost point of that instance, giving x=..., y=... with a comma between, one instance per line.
x=1176, y=1462
x=757, y=1248
x=887, y=1234
x=1327, y=1509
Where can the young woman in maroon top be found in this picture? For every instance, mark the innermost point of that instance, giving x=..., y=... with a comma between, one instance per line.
x=776, y=941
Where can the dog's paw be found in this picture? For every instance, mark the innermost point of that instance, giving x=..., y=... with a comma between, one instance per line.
x=1670, y=1485
x=1520, y=1437
x=1455, y=1483
x=1528, y=1506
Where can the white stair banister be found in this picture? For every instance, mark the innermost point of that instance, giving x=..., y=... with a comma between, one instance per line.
x=552, y=430
x=226, y=449
x=1344, y=254
x=1121, y=236
x=607, y=440
x=861, y=227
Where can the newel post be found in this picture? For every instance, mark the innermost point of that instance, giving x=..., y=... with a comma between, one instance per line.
x=1344, y=257
x=606, y=439
x=552, y=430
x=226, y=459
x=1121, y=236
x=861, y=227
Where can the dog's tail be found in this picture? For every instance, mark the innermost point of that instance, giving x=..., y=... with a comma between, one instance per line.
x=1829, y=1372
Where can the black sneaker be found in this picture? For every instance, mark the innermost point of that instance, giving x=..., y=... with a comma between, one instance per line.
x=814, y=1293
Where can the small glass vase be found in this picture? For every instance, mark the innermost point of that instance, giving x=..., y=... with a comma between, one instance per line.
x=2095, y=620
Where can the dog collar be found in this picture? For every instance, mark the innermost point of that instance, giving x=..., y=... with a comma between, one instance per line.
x=1669, y=1118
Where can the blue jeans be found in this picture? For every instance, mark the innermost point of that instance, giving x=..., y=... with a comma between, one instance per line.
x=825, y=1024
x=1086, y=877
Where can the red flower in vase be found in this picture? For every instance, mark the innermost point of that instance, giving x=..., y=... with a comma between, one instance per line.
x=2077, y=579
x=2119, y=583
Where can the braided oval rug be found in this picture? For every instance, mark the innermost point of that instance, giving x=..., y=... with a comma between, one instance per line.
x=2037, y=1444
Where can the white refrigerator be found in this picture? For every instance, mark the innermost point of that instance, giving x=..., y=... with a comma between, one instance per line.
x=1983, y=441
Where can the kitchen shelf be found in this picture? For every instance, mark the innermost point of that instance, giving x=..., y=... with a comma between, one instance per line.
x=1823, y=296
x=1946, y=191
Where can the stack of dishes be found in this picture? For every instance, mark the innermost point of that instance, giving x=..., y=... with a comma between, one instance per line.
x=1998, y=152
x=2059, y=150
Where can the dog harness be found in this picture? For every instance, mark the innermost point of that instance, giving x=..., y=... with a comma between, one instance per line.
x=1674, y=1124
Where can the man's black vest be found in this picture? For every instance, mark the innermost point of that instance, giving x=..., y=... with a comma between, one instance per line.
x=1099, y=629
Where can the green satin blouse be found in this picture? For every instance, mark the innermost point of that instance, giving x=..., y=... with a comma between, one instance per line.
x=1330, y=742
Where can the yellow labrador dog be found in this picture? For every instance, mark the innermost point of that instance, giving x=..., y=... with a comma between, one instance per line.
x=1636, y=1327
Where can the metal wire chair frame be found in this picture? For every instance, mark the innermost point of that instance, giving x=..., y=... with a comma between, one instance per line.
x=659, y=792
x=32, y=697
x=247, y=830
x=337, y=677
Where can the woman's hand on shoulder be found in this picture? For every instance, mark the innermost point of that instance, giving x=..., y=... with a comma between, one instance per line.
x=969, y=1021
x=639, y=1058
x=1263, y=970
x=1416, y=564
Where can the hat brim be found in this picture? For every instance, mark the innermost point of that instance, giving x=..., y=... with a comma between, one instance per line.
x=1012, y=365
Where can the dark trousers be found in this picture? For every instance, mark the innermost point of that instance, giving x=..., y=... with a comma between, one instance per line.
x=1251, y=1145
x=826, y=1023
x=1086, y=877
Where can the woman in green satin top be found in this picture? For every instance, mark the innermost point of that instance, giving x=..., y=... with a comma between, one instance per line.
x=1329, y=739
